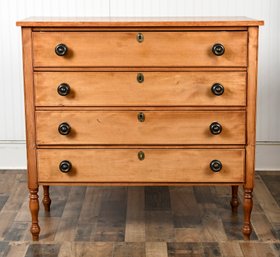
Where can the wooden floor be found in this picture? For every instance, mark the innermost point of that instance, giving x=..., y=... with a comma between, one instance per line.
x=139, y=221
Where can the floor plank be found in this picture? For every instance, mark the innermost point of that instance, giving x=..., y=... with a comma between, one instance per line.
x=230, y=249
x=17, y=249
x=257, y=249
x=39, y=250
x=266, y=200
x=156, y=249
x=159, y=226
x=135, y=216
x=128, y=249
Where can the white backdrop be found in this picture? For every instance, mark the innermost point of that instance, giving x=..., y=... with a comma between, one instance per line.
x=12, y=132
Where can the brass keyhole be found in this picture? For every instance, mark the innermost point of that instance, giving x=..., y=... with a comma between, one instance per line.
x=141, y=116
x=140, y=37
x=140, y=77
x=141, y=156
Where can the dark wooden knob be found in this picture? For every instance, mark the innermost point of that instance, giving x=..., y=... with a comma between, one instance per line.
x=218, y=49
x=63, y=89
x=216, y=165
x=216, y=128
x=217, y=89
x=64, y=128
x=65, y=166
x=141, y=116
x=61, y=49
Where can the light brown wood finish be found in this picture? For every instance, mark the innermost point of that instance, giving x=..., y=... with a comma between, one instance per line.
x=29, y=108
x=142, y=108
x=157, y=89
x=154, y=22
x=101, y=64
x=158, y=166
x=30, y=131
x=251, y=128
x=143, y=29
x=136, y=69
x=103, y=49
x=34, y=209
x=123, y=127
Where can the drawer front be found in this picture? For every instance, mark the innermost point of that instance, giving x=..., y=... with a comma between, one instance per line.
x=162, y=49
x=138, y=128
x=140, y=89
x=124, y=165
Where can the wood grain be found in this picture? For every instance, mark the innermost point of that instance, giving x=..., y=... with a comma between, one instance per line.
x=15, y=239
x=251, y=105
x=158, y=166
x=29, y=107
x=179, y=67
x=267, y=202
x=123, y=89
x=184, y=21
x=135, y=216
x=160, y=49
x=156, y=249
x=123, y=127
x=136, y=69
x=251, y=128
x=159, y=226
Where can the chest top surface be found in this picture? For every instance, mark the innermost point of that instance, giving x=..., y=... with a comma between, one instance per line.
x=139, y=21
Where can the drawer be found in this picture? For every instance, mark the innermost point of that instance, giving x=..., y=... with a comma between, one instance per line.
x=161, y=49
x=140, y=89
x=138, y=128
x=158, y=165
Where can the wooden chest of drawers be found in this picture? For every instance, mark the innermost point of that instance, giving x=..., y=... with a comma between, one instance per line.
x=140, y=102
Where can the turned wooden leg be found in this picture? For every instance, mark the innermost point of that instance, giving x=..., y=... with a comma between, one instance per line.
x=34, y=209
x=46, y=198
x=248, y=205
x=234, y=199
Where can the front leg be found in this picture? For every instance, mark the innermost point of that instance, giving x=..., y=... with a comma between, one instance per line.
x=248, y=205
x=34, y=209
x=234, y=199
x=46, y=198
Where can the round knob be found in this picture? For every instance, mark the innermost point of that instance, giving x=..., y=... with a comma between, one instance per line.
x=140, y=77
x=217, y=89
x=140, y=37
x=141, y=156
x=216, y=165
x=64, y=128
x=63, y=89
x=141, y=116
x=218, y=49
x=216, y=128
x=65, y=166
x=61, y=49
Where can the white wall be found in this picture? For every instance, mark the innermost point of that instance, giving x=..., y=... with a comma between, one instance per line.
x=12, y=132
